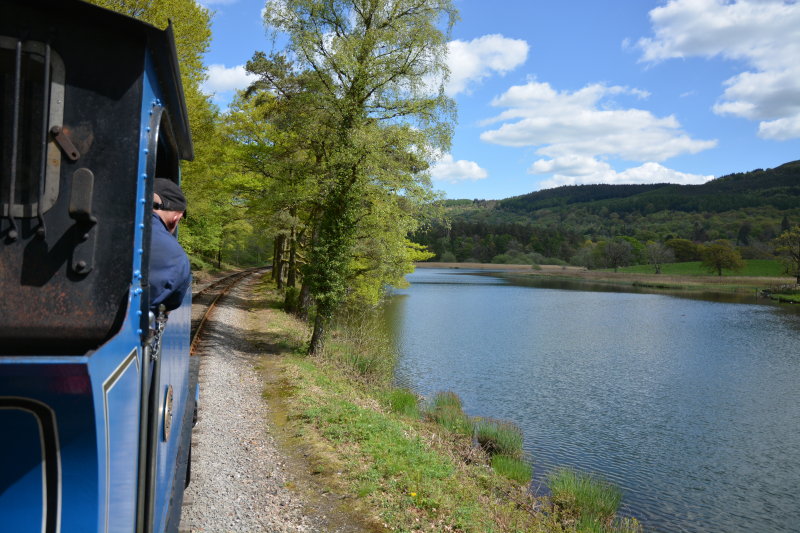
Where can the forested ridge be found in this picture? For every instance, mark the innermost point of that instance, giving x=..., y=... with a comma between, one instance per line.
x=778, y=187
x=565, y=224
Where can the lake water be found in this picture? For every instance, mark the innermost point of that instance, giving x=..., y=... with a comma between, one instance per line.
x=692, y=407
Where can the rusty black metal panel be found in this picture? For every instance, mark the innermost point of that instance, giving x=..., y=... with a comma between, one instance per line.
x=48, y=302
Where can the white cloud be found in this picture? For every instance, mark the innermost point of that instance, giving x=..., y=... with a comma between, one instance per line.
x=475, y=60
x=584, y=171
x=223, y=79
x=452, y=171
x=764, y=35
x=587, y=123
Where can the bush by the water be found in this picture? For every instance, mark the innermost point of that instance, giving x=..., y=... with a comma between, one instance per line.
x=585, y=497
x=404, y=402
x=445, y=409
x=513, y=468
x=498, y=437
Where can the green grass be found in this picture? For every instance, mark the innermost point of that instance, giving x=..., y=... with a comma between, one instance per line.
x=794, y=298
x=753, y=267
x=445, y=410
x=404, y=402
x=583, y=496
x=446, y=400
x=498, y=437
x=512, y=468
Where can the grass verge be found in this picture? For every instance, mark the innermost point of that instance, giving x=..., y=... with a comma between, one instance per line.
x=366, y=445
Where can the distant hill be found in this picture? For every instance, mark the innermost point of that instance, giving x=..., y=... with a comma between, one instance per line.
x=748, y=208
x=778, y=187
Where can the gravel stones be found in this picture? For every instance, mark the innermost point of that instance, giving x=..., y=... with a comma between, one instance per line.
x=239, y=478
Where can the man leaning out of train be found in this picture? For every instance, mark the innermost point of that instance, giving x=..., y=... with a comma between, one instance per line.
x=170, y=275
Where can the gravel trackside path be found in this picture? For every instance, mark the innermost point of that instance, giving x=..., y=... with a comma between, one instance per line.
x=239, y=478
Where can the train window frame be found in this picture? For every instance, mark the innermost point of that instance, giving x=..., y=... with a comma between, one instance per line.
x=36, y=51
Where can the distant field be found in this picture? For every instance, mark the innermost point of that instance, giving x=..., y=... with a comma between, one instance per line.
x=753, y=267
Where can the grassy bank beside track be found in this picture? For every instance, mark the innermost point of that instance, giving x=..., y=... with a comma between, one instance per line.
x=366, y=444
x=757, y=276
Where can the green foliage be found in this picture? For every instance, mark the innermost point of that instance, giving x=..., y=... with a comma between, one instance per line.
x=214, y=230
x=362, y=347
x=683, y=249
x=445, y=409
x=585, y=497
x=446, y=400
x=367, y=127
x=512, y=468
x=753, y=207
x=720, y=255
x=658, y=254
x=404, y=402
x=787, y=246
x=616, y=253
x=774, y=187
x=498, y=437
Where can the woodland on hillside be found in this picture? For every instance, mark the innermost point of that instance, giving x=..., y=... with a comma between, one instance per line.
x=574, y=224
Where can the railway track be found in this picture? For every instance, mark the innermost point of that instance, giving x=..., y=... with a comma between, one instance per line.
x=204, y=300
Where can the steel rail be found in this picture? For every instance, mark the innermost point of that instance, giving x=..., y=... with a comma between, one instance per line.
x=224, y=284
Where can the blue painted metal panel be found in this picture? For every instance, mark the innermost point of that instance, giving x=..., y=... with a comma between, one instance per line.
x=121, y=392
x=174, y=372
x=22, y=484
x=60, y=393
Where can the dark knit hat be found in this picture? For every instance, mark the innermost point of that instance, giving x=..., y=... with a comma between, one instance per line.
x=172, y=198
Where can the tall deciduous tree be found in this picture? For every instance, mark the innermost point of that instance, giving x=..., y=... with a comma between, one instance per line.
x=205, y=231
x=721, y=255
x=658, y=254
x=617, y=253
x=381, y=68
x=787, y=246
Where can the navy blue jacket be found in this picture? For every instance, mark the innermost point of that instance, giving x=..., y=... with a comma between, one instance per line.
x=170, y=276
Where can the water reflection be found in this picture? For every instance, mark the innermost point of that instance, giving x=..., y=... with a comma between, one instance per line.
x=690, y=406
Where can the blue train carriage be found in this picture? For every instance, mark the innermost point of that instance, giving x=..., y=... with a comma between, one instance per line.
x=95, y=416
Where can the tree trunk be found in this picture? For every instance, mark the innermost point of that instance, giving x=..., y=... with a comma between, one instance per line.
x=317, y=337
x=292, y=274
x=275, y=259
x=304, y=301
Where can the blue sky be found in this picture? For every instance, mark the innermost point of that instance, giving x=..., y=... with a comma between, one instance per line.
x=554, y=92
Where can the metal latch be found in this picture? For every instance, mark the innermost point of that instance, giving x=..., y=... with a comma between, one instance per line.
x=65, y=143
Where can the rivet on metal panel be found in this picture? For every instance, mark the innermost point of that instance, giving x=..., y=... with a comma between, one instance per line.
x=146, y=151
x=139, y=331
x=137, y=291
x=141, y=251
x=141, y=226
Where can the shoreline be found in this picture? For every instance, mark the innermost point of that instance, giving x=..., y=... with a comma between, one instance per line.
x=721, y=285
